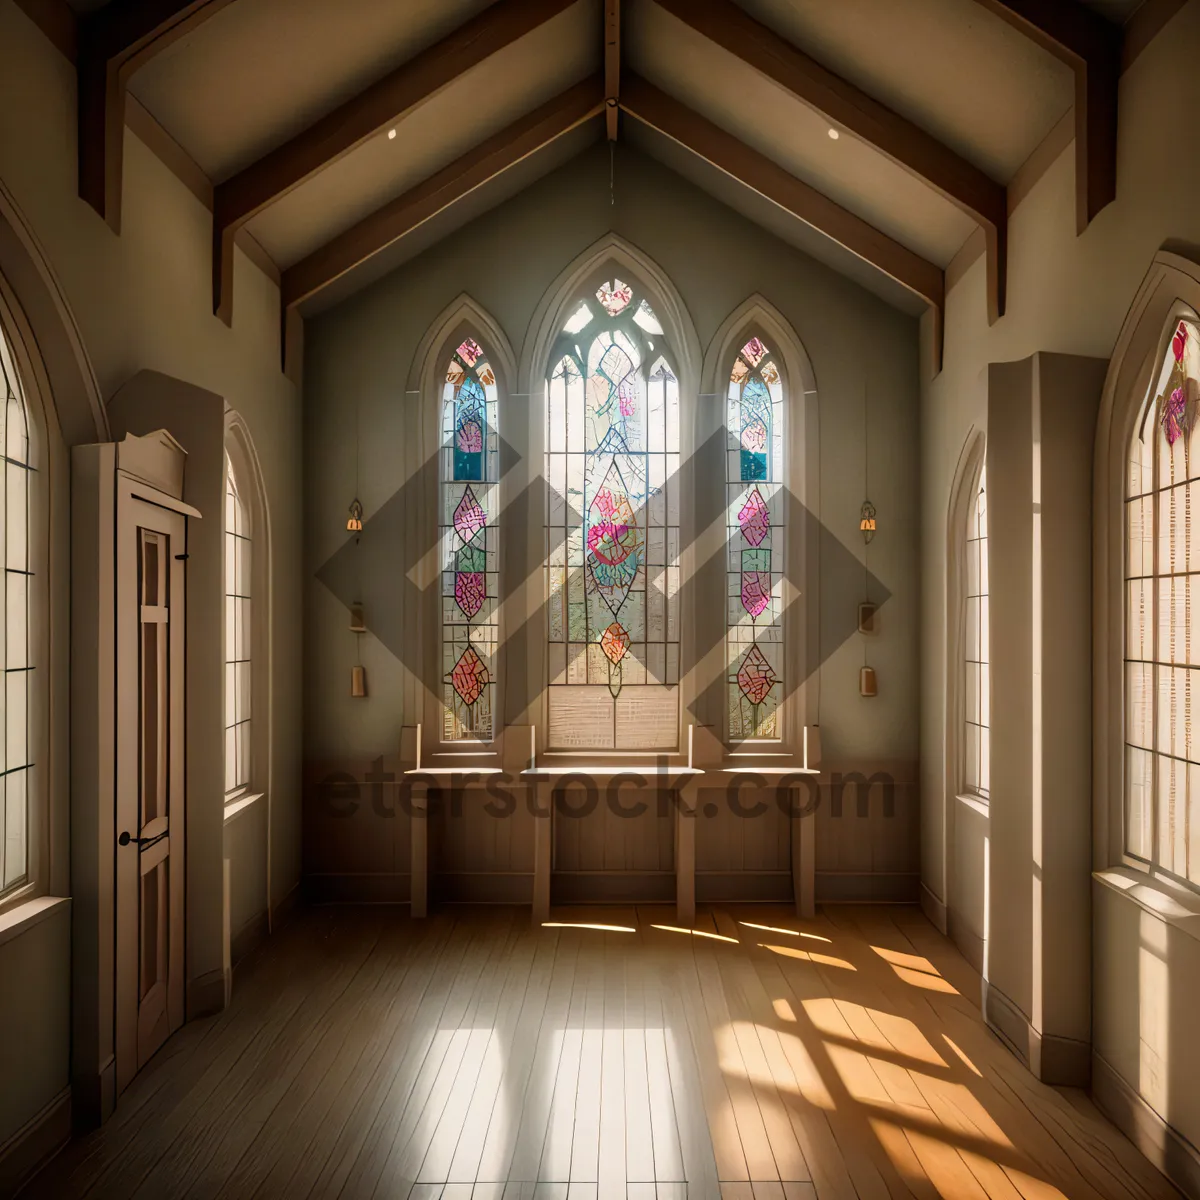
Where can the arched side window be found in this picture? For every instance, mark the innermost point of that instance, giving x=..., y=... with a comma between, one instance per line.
x=1162, y=618
x=612, y=457
x=469, y=474
x=17, y=794
x=756, y=539
x=238, y=637
x=976, y=761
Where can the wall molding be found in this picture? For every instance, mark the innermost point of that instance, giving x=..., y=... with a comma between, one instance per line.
x=35, y=1143
x=1059, y=1061
x=206, y=994
x=1167, y=1149
x=934, y=909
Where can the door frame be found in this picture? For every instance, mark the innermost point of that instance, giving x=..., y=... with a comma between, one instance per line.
x=141, y=506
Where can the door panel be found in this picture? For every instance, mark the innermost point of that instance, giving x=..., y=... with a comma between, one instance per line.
x=150, y=780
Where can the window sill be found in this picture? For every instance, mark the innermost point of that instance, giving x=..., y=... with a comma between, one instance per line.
x=1171, y=903
x=978, y=803
x=23, y=917
x=240, y=803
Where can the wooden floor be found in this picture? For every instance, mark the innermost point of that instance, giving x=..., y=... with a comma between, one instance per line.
x=470, y=1056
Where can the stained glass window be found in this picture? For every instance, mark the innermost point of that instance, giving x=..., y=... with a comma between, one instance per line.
x=15, y=655
x=237, y=636
x=612, y=451
x=469, y=473
x=755, y=519
x=1162, y=618
x=977, y=685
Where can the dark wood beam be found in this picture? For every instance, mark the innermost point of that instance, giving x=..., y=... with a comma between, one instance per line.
x=416, y=206
x=366, y=115
x=612, y=65
x=725, y=152
x=111, y=43
x=1091, y=47
x=848, y=106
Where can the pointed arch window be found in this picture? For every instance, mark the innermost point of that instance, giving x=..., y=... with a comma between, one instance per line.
x=469, y=473
x=16, y=781
x=237, y=637
x=756, y=541
x=1162, y=618
x=976, y=764
x=612, y=455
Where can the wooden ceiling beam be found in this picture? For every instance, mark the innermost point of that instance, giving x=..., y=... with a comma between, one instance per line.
x=848, y=106
x=1091, y=47
x=612, y=66
x=722, y=150
x=442, y=189
x=366, y=115
x=111, y=43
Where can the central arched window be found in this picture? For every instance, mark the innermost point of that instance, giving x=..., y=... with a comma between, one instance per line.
x=756, y=538
x=612, y=460
x=469, y=473
x=1162, y=617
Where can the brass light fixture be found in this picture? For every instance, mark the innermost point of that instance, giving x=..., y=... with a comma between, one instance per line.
x=354, y=521
x=358, y=623
x=866, y=521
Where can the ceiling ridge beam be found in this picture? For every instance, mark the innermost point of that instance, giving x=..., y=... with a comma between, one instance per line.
x=845, y=104
x=111, y=44
x=756, y=171
x=420, y=203
x=1091, y=47
x=337, y=133
x=612, y=66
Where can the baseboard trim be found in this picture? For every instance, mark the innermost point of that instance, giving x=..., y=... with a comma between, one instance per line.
x=744, y=887
x=1059, y=1061
x=934, y=909
x=248, y=938
x=612, y=887
x=482, y=887
x=867, y=887
x=282, y=911
x=35, y=1144
x=969, y=943
x=206, y=994
x=1168, y=1150
x=356, y=889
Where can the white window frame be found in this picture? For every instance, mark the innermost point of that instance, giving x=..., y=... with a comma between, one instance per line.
x=247, y=471
x=46, y=799
x=1169, y=293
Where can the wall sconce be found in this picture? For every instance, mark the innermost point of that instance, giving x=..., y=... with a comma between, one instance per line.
x=868, y=617
x=354, y=522
x=867, y=683
x=866, y=521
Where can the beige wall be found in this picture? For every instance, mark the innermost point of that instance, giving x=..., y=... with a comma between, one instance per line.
x=142, y=300
x=1067, y=294
x=360, y=356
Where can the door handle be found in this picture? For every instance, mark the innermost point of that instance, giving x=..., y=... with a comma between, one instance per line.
x=126, y=838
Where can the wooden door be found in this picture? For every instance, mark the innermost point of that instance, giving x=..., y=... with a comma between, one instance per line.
x=150, y=780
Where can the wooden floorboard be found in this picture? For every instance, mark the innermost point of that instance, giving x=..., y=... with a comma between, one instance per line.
x=471, y=1056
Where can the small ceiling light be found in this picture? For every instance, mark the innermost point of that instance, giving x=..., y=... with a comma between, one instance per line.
x=392, y=134
x=354, y=521
x=834, y=135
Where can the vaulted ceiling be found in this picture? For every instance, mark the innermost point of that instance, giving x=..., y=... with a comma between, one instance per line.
x=884, y=137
